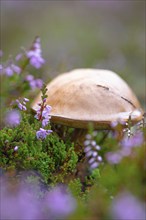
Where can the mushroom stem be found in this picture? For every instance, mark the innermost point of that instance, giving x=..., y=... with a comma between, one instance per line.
x=78, y=135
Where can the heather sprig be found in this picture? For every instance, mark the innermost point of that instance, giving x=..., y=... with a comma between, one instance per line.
x=43, y=115
x=9, y=68
x=21, y=63
x=92, y=151
x=22, y=104
x=125, y=147
x=15, y=75
x=35, y=54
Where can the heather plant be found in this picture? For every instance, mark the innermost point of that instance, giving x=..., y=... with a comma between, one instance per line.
x=47, y=156
x=52, y=176
x=15, y=78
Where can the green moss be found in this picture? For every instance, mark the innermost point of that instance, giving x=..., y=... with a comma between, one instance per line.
x=47, y=156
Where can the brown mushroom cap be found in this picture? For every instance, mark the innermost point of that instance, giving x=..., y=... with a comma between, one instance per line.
x=85, y=96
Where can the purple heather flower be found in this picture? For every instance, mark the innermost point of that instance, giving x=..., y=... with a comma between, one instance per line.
x=22, y=106
x=94, y=165
x=127, y=207
x=18, y=203
x=46, y=111
x=29, y=77
x=26, y=100
x=114, y=124
x=126, y=148
x=92, y=159
x=134, y=141
x=99, y=158
x=38, y=113
x=113, y=157
x=88, y=148
x=45, y=121
x=60, y=203
x=36, y=60
x=87, y=142
x=34, y=83
x=94, y=154
x=16, y=148
x=35, y=54
x=88, y=136
x=93, y=143
x=45, y=114
x=10, y=70
x=18, y=57
x=97, y=147
x=13, y=118
x=125, y=151
x=42, y=133
x=38, y=83
x=91, y=151
x=16, y=69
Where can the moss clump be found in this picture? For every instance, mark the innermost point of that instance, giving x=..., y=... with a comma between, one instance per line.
x=51, y=157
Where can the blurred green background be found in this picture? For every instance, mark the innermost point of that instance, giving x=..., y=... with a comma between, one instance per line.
x=80, y=34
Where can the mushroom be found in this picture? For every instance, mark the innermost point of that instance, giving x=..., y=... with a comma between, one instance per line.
x=89, y=96
x=85, y=96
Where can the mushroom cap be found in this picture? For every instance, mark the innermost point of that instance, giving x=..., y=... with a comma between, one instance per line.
x=85, y=96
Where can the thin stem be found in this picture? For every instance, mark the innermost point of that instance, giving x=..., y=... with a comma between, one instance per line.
x=24, y=65
x=103, y=138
